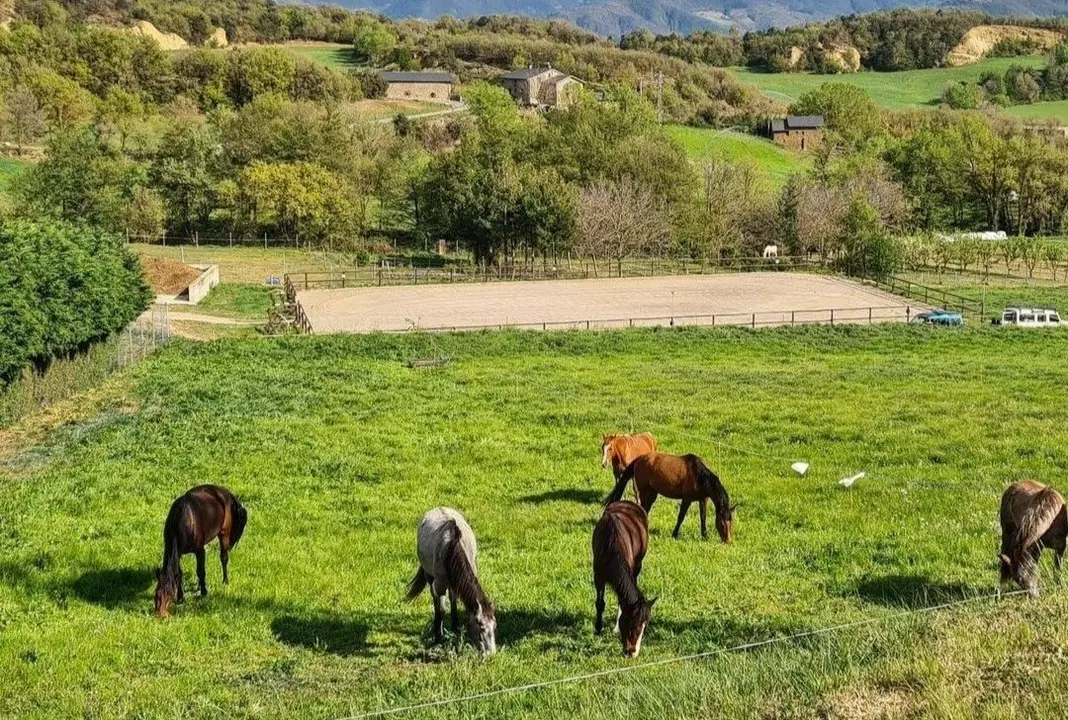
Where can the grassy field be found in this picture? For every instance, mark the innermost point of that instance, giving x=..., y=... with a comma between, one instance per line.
x=894, y=90
x=250, y=264
x=775, y=162
x=9, y=170
x=1055, y=110
x=1000, y=292
x=338, y=448
x=336, y=56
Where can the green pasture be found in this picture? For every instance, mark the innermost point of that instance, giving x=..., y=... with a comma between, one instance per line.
x=338, y=448
x=774, y=162
x=336, y=56
x=893, y=90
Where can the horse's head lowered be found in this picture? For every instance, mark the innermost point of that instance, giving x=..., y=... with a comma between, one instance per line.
x=482, y=628
x=166, y=591
x=725, y=522
x=1023, y=571
x=633, y=620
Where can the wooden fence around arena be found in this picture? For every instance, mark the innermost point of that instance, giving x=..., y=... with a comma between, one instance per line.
x=414, y=275
x=944, y=299
x=765, y=318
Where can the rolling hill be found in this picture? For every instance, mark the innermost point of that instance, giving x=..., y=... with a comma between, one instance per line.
x=616, y=17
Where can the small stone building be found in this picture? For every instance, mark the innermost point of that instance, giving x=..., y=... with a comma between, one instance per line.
x=541, y=87
x=799, y=132
x=425, y=86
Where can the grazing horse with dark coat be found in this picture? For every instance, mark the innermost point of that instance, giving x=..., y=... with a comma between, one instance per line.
x=204, y=513
x=682, y=477
x=620, y=541
x=446, y=547
x=619, y=451
x=1033, y=517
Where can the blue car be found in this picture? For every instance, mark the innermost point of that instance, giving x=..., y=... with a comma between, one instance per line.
x=938, y=317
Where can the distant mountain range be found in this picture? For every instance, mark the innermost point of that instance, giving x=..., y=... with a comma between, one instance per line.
x=615, y=17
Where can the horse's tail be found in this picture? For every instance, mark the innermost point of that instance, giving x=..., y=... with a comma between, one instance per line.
x=1036, y=520
x=416, y=586
x=239, y=522
x=621, y=485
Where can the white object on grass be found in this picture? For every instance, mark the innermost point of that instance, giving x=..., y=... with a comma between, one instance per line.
x=800, y=467
x=848, y=482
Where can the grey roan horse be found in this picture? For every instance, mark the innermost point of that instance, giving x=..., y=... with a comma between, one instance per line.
x=446, y=548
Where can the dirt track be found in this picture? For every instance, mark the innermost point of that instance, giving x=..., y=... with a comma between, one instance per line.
x=776, y=298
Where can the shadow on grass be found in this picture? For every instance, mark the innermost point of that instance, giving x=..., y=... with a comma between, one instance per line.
x=515, y=624
x=575, y=495
x=909, y=591
x=332, y=634
x=114, y=587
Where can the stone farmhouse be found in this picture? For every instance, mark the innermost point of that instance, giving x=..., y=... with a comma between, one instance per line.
x=541, y=87
x=425, y=86
x=799, y=132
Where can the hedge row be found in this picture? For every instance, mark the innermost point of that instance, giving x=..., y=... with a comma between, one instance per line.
x=62, y=287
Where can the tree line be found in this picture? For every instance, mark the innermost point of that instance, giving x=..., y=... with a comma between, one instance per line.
x=902, y=39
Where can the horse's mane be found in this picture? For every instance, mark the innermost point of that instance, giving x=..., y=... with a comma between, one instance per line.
x=711, y=483
x=620, y=574
x=461, y=575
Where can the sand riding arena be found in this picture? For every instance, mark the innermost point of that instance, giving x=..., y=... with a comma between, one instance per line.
x=753, y=299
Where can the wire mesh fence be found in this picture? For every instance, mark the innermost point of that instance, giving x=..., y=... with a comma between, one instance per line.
x=65, y=377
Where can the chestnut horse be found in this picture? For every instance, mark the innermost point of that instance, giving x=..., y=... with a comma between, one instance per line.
x=1033, y=517
x=619, y=451
x=681, y=477
x=204, y=513
x=620, y=541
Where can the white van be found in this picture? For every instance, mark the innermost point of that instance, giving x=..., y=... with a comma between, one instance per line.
x=1030, y=317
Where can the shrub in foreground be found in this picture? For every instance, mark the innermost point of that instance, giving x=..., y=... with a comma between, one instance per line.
x=62, y=287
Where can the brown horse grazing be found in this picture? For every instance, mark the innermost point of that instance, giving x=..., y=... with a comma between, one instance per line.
x=681, y=477
x=1033, y=517
x=619, y=451
x=620, y=541
x=195, y=519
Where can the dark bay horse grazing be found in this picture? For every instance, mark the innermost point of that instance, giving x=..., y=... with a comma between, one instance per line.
x=446, y=548
x=620, y=541
x=204, y=513
x=1033, y=517
x=619, y=451
x=681, y=477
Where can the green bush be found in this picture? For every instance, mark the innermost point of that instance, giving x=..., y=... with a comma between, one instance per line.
x=62, y=287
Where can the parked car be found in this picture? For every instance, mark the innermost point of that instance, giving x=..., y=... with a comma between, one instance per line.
x=1029, y=317
x=938, y=317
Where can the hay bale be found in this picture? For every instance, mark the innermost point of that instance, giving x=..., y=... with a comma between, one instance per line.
x=167, y=41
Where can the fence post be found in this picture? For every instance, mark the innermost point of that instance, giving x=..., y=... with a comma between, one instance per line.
x=305, y=281
x=343, y=281
x=754, y=321
x=869, y=316
x=832, y=317
x=791, y=317
x=587, y=324
x=264, y=241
